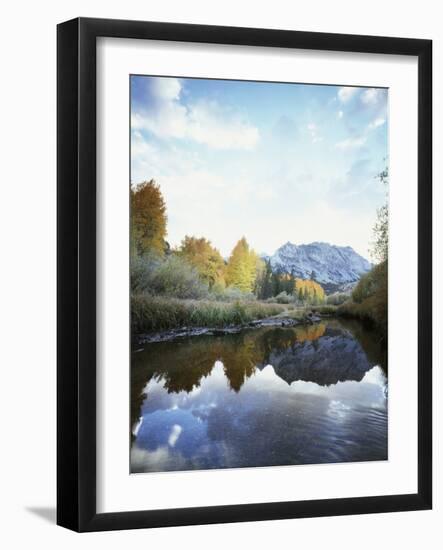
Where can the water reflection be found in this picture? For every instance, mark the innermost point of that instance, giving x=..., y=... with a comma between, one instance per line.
x=271, y=396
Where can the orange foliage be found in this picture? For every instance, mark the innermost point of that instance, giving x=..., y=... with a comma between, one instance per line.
x=310, y=332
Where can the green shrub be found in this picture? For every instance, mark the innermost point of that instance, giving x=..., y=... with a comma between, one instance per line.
x=337, y=299
x=284, y=298
x=176, y=278
x=370, y=299
x=325, y=310
x=142, y=272
x=231, y=294
x=172, y=277
x=367, y=285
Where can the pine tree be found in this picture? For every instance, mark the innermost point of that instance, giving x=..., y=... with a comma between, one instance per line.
x=261, y=278
x=291, y=284
x=276, y=284
x=264, y=281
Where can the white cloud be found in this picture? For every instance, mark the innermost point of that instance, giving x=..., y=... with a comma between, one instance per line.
x=357, y=142
x=205, y=122
x=167, y=119
x=209, y=124
x=313, y=132
x=174, y=435
x=223, y=205
x=225, y=196
x=140, y=147
x=371, y=96
x=149, y=160
x=346, y=93
x=166, y=88
x=340, y=114
x=376, y=123
x=351, y=143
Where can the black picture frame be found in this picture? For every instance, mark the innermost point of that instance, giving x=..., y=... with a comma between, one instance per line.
x=76, y=280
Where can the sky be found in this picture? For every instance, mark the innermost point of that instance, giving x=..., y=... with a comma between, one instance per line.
x=274, y=162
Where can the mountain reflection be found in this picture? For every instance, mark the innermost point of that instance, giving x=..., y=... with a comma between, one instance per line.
x=296, y=353
x=205, y=374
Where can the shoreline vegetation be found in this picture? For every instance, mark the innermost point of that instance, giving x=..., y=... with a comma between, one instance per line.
x=231, y=319
x=369, y=300
x=192, y=289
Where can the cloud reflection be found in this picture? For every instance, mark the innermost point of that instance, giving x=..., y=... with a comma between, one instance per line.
x=267, y=420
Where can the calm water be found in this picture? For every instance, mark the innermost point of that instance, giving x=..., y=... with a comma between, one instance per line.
x=265, y=397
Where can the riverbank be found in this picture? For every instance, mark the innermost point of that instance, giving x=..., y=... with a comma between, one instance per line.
x=372, y=314
x=157, y=319
x=282, y=320
x=149, y=313
x=369, y=301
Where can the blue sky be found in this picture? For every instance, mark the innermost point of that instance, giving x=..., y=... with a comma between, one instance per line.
x=269, y=161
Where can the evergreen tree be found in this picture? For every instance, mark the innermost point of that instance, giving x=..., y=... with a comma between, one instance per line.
x=276, y=284
x=266, y=291
x=291, y=284
x=263, y=284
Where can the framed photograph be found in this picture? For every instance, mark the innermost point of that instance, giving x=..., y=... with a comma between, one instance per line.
x=244, y=274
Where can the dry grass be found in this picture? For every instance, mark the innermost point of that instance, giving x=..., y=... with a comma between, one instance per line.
x=150, y=313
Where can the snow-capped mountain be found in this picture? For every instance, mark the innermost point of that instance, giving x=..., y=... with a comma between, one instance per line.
x=326, y=263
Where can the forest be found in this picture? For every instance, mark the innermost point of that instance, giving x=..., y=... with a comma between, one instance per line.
x=193, y=285
x=196, y=268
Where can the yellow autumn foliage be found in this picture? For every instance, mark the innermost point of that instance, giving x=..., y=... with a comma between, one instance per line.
x=148, y=219
x=309, y=290
x=241, y=271
x=206, y=259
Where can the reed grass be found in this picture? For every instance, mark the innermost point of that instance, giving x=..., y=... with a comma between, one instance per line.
x=149, y=313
